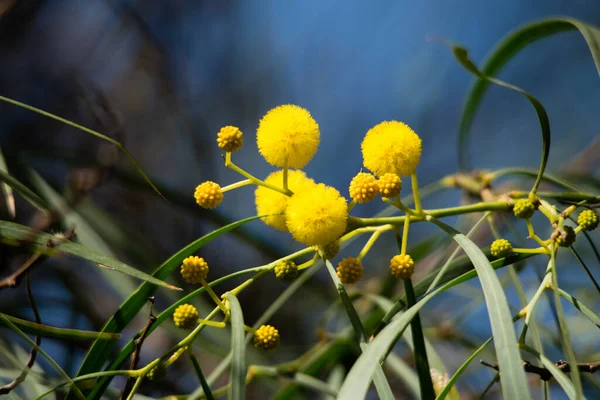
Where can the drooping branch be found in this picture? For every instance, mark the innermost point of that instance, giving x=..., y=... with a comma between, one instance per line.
x=545, y=374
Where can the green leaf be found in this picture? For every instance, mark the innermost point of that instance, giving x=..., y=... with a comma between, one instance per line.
x=99, y=352
x=203, y=383
x=40, y=240
x=404, y=372
x=462, y=56
x=53, y=363
x=512, y=44
x=56, y=333
x=446, y=391
x=514, y=382
x=585, y=310
x=24, y=191
x=381, y=384
x=9, y=199
x=237, y=382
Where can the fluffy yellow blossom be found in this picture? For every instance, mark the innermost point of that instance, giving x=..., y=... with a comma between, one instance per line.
x=230, y=138
x=288, y=132
x=269, y=201
x=363, y=188
x=208, y=195
x=391, y=146
x=317, y=216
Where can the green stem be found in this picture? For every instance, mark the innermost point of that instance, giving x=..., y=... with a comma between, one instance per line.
x=285, y=175
x=404, y=237
x=372, y=240
x=205, y=387
x=421, y=361
x=236, y=185
x=229, y=164
x=417, y=197
x=437, y=213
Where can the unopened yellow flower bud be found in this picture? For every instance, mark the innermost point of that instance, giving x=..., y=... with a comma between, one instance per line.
x=194, y=269
x=266, y=337
x=230, y=138
x=350, y=270
x=185, y=316
x=402, y=266
x=208, y=195
x=363, y=187
x=390, y=185
x=501, y=248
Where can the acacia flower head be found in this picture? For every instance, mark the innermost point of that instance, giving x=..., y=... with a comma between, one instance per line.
x=286, y=270
x=349, y=270
x=185, y=316
x=157, y=373
x=266, y=337
x=194, y=269
x=268, y=201
x=524, y=209
x=501, y=248
x=402, y=266
x=390, y=185
x=588, y=220
x=230, y=138
x=317, y=216
x=391, y=146
x=331, y=250
x=363, y=187
x=208, y=195
x=289, y=133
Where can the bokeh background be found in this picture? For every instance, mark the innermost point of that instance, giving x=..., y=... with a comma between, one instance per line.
x=163, y=77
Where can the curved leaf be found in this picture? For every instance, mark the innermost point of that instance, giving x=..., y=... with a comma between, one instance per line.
x=54, y=332
x=514, y=382
x=462, y=56
x=9, y=199
x=237, y=382
x=23, y=190
x=40, y=240
x=507, y=49
x=99, y=352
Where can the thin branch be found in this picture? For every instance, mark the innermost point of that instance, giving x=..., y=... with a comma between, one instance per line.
x=38, y=341
x=545, y=374
x=137, y=343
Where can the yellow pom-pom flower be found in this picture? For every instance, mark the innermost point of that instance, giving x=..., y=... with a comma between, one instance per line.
x=286, y=270
x=208, y=195
x=363, y=187
x=391, y=146
x=317, y=216
x=266, y=337
x=402, y=266
x=501, y=248
x=230, y=138
x=390, y=185
x=331, y=250
x=350, y=270
x=268, y=201
x=185, y=316
x=194, y=269
x=288, y=132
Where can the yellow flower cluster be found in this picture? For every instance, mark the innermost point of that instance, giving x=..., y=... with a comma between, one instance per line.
x=402, y=266
x=363, y=188
x=230, y=138
x=272, y=203
x=208, y=195
x=350, y=270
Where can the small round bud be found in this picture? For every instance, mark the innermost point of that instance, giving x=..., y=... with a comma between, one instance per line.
x=286, y=270
x=331, y=250
x=157, y=373
x=402, y=266
x=524, y=209
x=230, y=138
x=350, y=270
x=266, y=337
x=363, y=188
x=208, y=195
x=194, y=269
x=185, y=316
x=390, y=185
x=588, y=220
x=564, y=237
x=501, y=248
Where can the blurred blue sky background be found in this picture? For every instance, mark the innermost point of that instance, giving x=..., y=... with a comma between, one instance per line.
x=176, y=71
